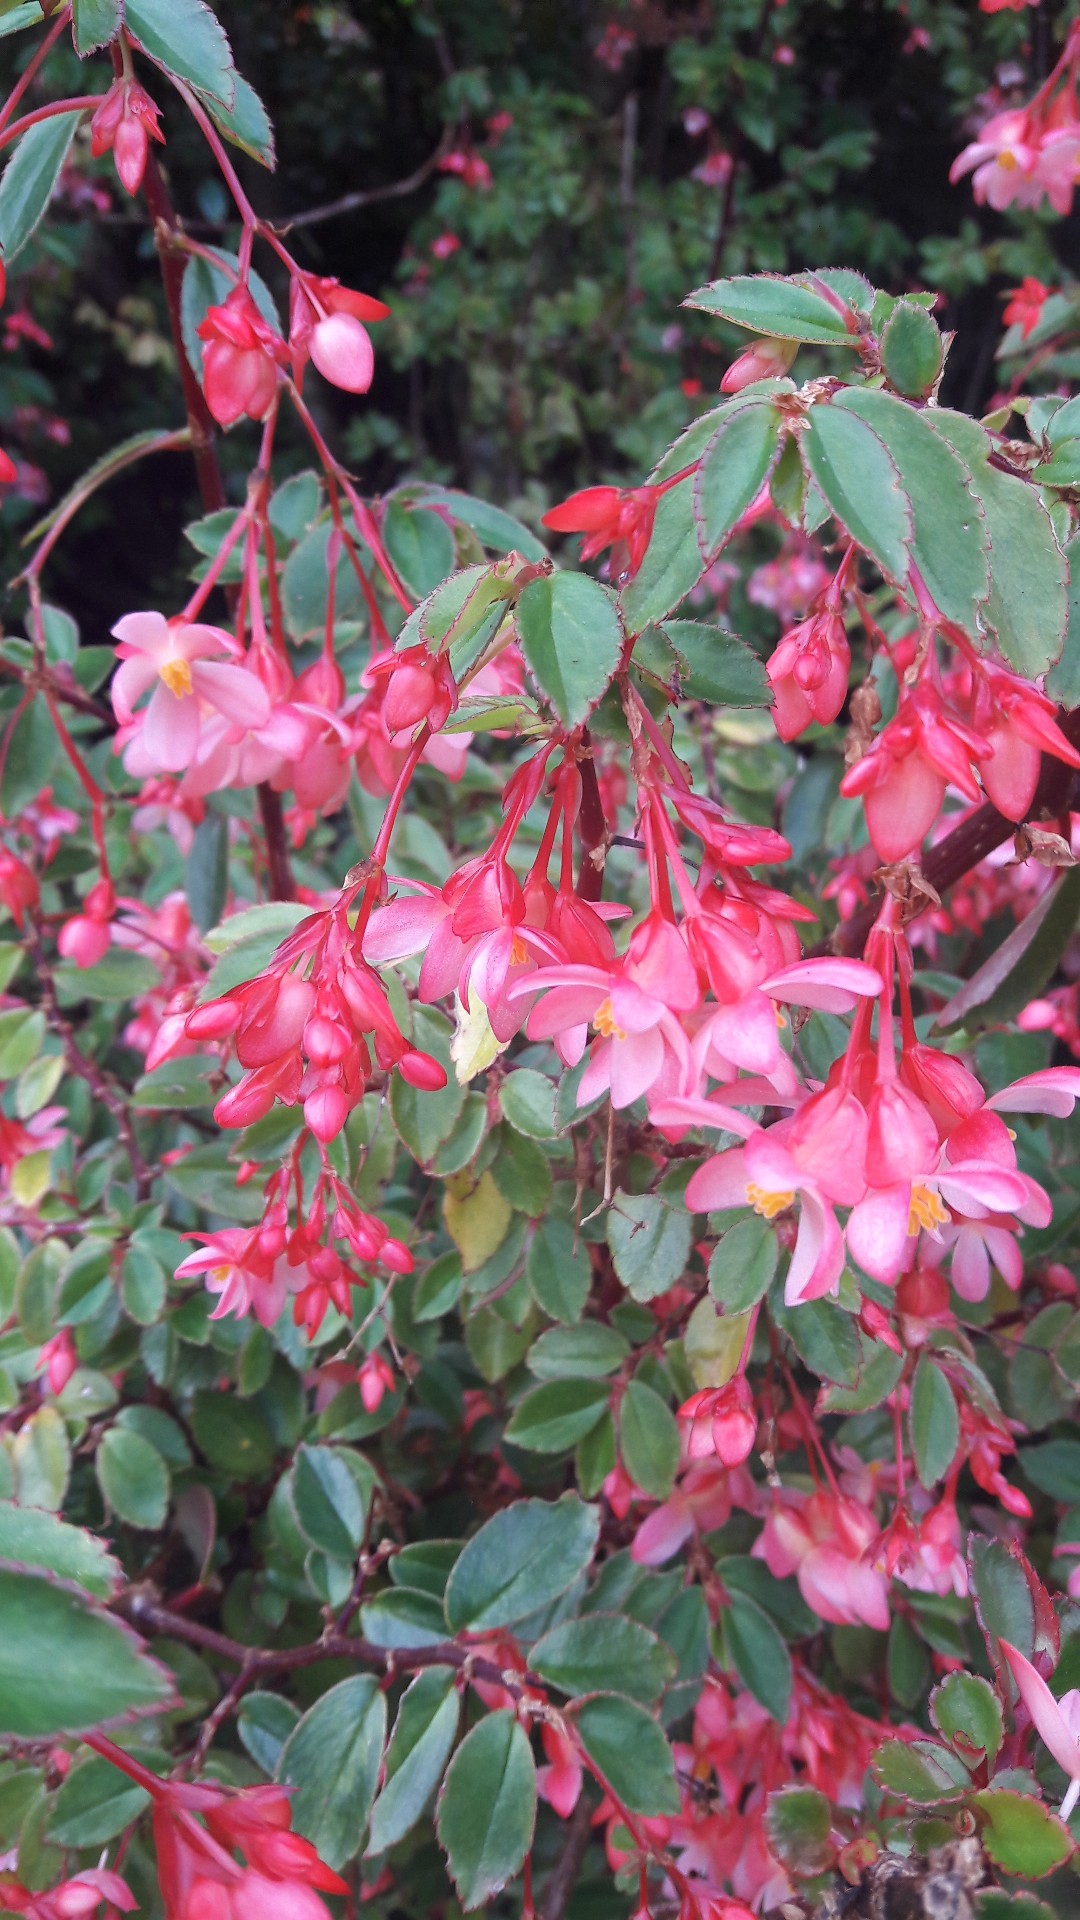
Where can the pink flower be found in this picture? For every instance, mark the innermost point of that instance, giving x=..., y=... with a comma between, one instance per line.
x=241, y=357
x=59, y=1360
x=719, y=1421
x=238, y=1270
x=326, y=325
x=633, y=1006
x=763, y=360
x=559, y=1782
x=73, y=1899
x=808, y=673
x=699, y=1503
x=826, y=1540
x=1019, y=159
x=126, y=122
x=609, y=517
x=170, y=657
x=902, y=779
x=1057, y=1722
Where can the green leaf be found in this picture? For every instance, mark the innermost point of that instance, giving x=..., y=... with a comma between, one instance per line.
x=404, y=1617
x=742, y=1264
x=208, y=870
x=1021, y=964
x=631, y=1752
x=41, y=1456
x=571, y=636
x=232, y=1435
x=424, y=1120
x=554, y=1417
x=1027, y=610
x=523, y=1558
x=912, y=349
x=264, y=1724
x=29, y=180
x=522, y=1174
x=31, y=748
x=1021, y=1836
x=934, y=1422
x=65, y=1665
x=332, y=1759
x=1055, y=1469
x=798, y=1821
x=487, y=1808
x=672, y=563
x=420, y=544
x=734, y=468
x=587, y=1351
x=94, y=1804
x=993, y=1903
x=920, y=1770
x=34, y=1538
x=133, y=1478
x=120, y=975
x=950, y=543
x=714, y=665
x=185, y=38
x=825, y=1337
x=326, y=1502
x=558, y=1269
x=648, y=1440
x=95, y=23
x=29, y=14
x=605, y=1653
x=1004, y=1603
x=649, y=1242
x=424, y=1732
x=527, y=1103
x=782, y=309
x=494, y=528
x=143, y=1286
x=268, y=924
x=760, y=1657
x=1063, y=680
x=966, y=1710
x=246, y=123
x=860, y=485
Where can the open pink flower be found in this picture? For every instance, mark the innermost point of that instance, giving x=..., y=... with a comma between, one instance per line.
x=1057, y=1722
x=700, y=1503
x=238, y=1270
x=827, y=1542
x=172, y=658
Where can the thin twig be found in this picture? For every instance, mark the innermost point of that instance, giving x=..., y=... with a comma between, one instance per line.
x=368, y=196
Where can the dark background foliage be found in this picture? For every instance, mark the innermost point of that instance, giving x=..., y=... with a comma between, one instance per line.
x=547, y=348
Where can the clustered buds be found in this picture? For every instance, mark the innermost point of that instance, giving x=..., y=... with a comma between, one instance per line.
x=124, y=125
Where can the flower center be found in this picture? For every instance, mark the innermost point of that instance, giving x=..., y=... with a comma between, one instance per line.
x=519, y=952
x=1007, y=161
x=220, y=1275
x=604, y=1021
x=926, y=1210
x=770, y=1204
x=177, y=677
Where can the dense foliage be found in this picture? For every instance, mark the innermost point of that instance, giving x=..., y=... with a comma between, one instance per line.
x=537, y=1211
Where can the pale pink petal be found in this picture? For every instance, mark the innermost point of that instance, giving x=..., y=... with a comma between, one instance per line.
x=720, y=1184
x=1054, y=1091
x=877, y=1232
x=663, y=1533
x=235, y=692
x=129, y=683
x=1056, y=1732
x=832, y=986
x=170, y=729
x=970, y=1265
x=149, y=632
x=818, y=1259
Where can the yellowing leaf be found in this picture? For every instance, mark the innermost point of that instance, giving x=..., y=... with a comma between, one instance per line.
x=714, y=1344
x=474, y=1046
x=476, y=1217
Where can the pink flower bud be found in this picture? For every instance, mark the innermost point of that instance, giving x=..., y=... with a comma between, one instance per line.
x=341, y=349
x=421, y=1071
x=326, y=1112
x=84, y=940
x=395, y=1255
x=764, y=360
x=409, y=694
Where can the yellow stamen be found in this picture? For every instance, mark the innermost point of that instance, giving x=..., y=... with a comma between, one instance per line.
x=519, y=952
x=926, y=1210
x=770, y=1204
x=1007, y=161
x=781, y=1018
x=605, y=1023
x=177, y=677
x=220, y=1275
